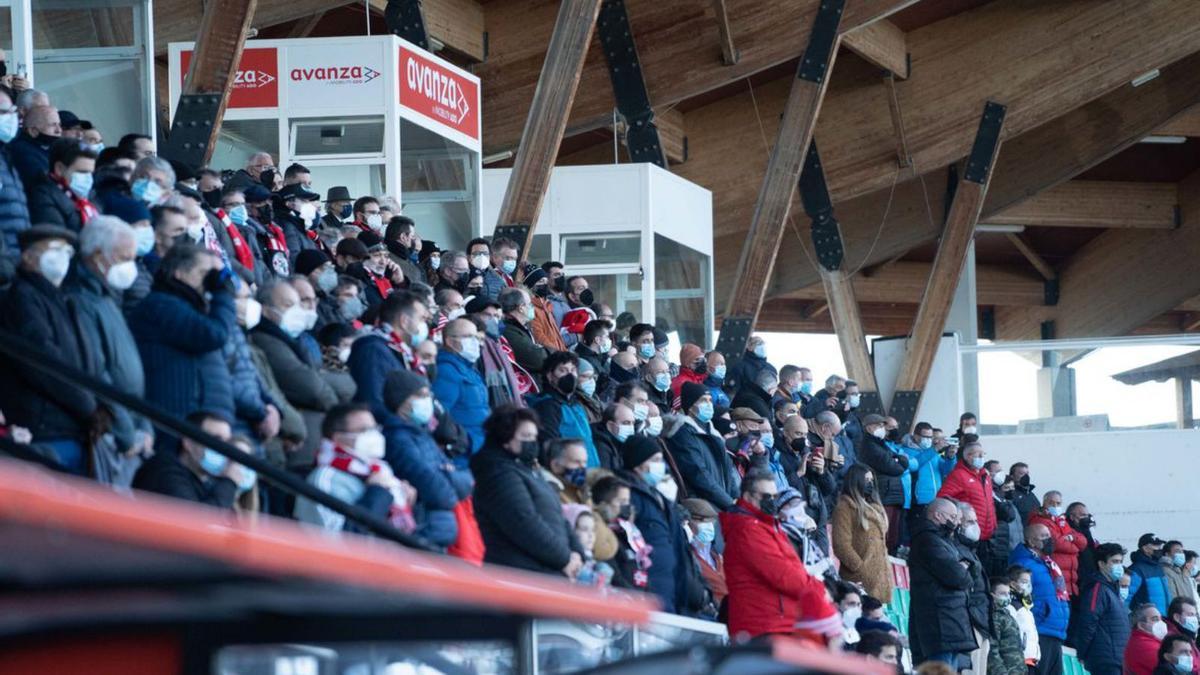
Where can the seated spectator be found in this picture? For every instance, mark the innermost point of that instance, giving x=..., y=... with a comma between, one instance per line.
x=859, y=528
x=299, y=220
x=403, y=326
x=748, y=367
x=505, y=380
x=485, y=280
x=35, y=309
x=1142, y=650
x=139, y=145
x=453, y=272
x=14, y=208
x=259, y=166
x=630, y=557
x=1147, y=581
x=565, y=469
x=1176, y=655
x=622, y=367
x=849, y=607
x=656, y=378
x=256, y=411
x=416, y=458
x=321, y=274
x=60, y=196
x=152, y=181
x=827, y=398
x=170, y=226
x=702, y=522
x=1182, y=620
x=769, y=590
x=544, y=328
x=519, y=312
x=616, y=425
x=699, y=451
x=585, y=391
x=880, y=646
x=196, y=473
x=715, y=378
x=1100, y=625
x=404, y=246
x=181, y=332
x=30, y=150
x=105, y=268
x=1049, y=593
x=1006, y=655
x=800, y=529
x=519, y=514
x=559, y=409
x=693, y=368
x=755, y=393
x=350, y=467
x=28, y=98
x=308, y=302
x=458, y=385
x=655, y=516
x=1068, y=543
x=939, y=622
x=594, y=346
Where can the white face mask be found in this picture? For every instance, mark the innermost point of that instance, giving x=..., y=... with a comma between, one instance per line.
x=654, y=426
x=122, y=275
x=455, y=313
x=470, y=349
x=308, y=212
x=879, y=433
x=375, y=221
x=293, y=321
x=370, y=444
x=480, y=261
x=310, y=319
x=195, y=230
x=344, y=354
x=253, y=313
x=851, y=615
x=54, y=263
x=971, y=429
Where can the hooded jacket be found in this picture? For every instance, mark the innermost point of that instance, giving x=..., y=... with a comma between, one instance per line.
x=930, y=464
x=973, y=486
x=416, y=458
x=656, y=518
x=1050, y=613
x=1100, y=626
x=1148, y=583
x=564, y=417
x=460, y=389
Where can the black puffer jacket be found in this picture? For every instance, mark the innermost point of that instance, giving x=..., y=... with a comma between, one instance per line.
x=1025, y=500
x=1009, y=532
x=938, y=618
x=979, y=602
x=705, y=466
x=1100, y=626
x=888, y=468
x=519, y=514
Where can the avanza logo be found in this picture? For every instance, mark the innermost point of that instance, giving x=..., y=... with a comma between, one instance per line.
x=335, y=74
x=438, y=87
x=252, y=79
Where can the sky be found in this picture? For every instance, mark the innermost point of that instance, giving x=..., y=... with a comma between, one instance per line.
x=1008, y=381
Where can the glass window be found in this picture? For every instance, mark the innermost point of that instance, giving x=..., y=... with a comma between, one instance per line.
x=337, y=137
x=80, y=24
x=432, y=658
x=360, y=179
x=97, y=91
x=539, y=252
x=602, y=249
x=438, y=186
x=239, y=139
x=681, y=289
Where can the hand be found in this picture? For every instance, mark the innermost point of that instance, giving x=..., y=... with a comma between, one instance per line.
x=903, y=460
x=268, y=428
x=964, y=564
x=395, y=273
x=409, y=492
x=19, y=83
x=382, y=476
x=831, y=402
x=573, y=566
x=233, y=471
x=816, y=462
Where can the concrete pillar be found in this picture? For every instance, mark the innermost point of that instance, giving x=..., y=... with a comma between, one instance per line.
x=964, y=320
x=1056, y=387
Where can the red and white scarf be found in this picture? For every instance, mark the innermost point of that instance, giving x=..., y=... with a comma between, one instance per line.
x=241, y=250
x=335, y=457
x=1056, y=575
x=525, y=382
x=641, y=551
x=85, y=208
x=397, y=344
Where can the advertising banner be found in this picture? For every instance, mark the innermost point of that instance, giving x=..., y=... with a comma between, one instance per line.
x=336, y=75
x=439, y=93
x=256, y=84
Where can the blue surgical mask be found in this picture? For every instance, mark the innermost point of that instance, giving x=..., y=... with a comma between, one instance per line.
x=80, y=183
x=1183, y=663
x=855, y=400
x=238, y=214
x=588, y=387
x=1191, y=623
x=530, y=312
x=1055, y=511
x=760, y=350
x=1178, y=559
x=978, y=464
x=144, y=237
x=422, y=410
x=249, y=478
x=706, y=533
x=492, y=327
x=806, y=387
x=9, y=125
x=1116, y=572
x=213, y=462
x=657, y=472
x=768, y=440
x=509, y=266
x=925, y=443
x=646, y=351
x=327, y=280
x=624, y=431
x=1124, y=593
x=704, y=411
x=662, y=381
x=346, y=212
x=95, y=147
x=719, y=372
x=148, y=191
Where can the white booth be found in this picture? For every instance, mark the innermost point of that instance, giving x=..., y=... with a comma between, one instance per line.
x=376, y=114
x=641, y=235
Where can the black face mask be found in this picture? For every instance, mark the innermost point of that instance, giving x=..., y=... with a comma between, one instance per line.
x=767, y=505
x=894, y=435
x=181, y=239
x=586, y=298
x=1048, y=546
x=463, y=279
x=799, y=446
x=560, y=284
x=625, y=512
x=266, y=214
x=566, y=384
x=542, y=291
x=213, y=198
x=267, y=178
x=529, y=452
x=700, y=366
x=947, y=528
x=1024, y=482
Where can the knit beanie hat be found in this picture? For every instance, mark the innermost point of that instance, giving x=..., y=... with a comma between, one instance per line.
x=689, y=393
x=309, y=260
x=399, y=386
x=689, y=354
x=637, y=450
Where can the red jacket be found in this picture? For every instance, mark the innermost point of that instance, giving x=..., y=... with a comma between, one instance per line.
x=769, y=589
x=1068, y=544
x=685, y=375
x=973, y=486
x=1141, y=653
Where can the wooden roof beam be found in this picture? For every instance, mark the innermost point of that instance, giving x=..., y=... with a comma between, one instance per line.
x=176, y=20
x=729, y=52
x=882, y=44
x=1187, y=124
x=1039, y=263
x=904, y=282
x=1083, y=203
x=457, y=24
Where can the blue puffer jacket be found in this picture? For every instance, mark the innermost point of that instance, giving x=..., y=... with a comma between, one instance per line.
x=656, y=518
x=1148, y=583
x=14, y=209
x=250, y=397
x=461, y=391
x=564, y=417
x=29, y=156
x=931, y=468
x=1101, y=626
x=416, y=458
x=181, y=345
x=371, y=359
x=1049, y=613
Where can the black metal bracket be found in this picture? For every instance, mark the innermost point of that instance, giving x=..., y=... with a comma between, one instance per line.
x=735, y=333
x=1050, y=292
x=405, y=19
x=987, y=323
x=518, y=232
x=192, y=129
x=904, y=407
x=951, y=191
x=987, y=140
x=629, y=86
x=814, y=63
x=871, y=404
x=814, y=195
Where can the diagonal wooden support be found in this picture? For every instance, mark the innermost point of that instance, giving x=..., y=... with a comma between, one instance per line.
x=839, y=292
x=783, y=170
x=729, y=53
x=209, y=81
x=547, y=121
x=947, y=267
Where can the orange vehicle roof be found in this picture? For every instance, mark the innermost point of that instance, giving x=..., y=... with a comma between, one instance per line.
x=33, y=498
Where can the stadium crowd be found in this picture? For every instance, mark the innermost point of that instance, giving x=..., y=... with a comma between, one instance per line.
x=504, y=414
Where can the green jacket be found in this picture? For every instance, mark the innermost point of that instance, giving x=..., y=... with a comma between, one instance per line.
x=1007, y=655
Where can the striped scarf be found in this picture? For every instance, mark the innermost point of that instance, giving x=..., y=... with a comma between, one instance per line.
x=334, y=457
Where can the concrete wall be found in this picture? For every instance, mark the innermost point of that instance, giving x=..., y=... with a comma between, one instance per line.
x=1133, y=481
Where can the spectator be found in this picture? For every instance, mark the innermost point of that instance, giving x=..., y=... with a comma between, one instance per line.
x=104, y=269
x=519, y=515
x=505, y=380
x=610, y=433
x=755, y=392
x=453, y=272
x=1175, y=655
x=283, y=320
x=416, y=458
x=403, y=326
x=859, y=527
x=631, y=557
x=298, y=220
x=245, y=234
x=1021, y=492
x=404, y=246
x=1180, y=583
x=559, y=408
x=969, y=482
x=656, y=378
x=368, y=217
x=702, y=522
x=890, y=468
x=30, y=150
x=181, y=334
x=880, y=646
x=1142, y=650
x=339, y=206
x=835, y=445
x=35, y=309
x=1020, y=582
x=1068, y=543
x=805, y=471
x=800, y=528
x=260, y=166
x=350, y=467
x=14, y=208
x=308, y=302
x=693, y=367
x=1080, y=519
x=747, y=369
x=939, y=621
x=715, y=380
x=595, y=346
x=484, y=280
x=1049, y=593
x=1147, y=581
x=1006, y=655
x=770, y=592
x=60, y=196
x=29, y=98
x=978, y=604
x=1009, y=531
x=655, y=517
x=849, y=606
x=519, y=312
x=919, y=447
x=585, y=391
x=968, y=425
x=140, y=145
x=1182, y=620
x=153, y=181
x=545, y=330
x=195, y=473
x=458, y=385
x=827, y=398
x=565, y=469
x=699, y=451
x=257, y=411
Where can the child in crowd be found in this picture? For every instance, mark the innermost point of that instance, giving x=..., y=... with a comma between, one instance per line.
x=1007, y=653
x=584, y=524
x=1020, y=582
